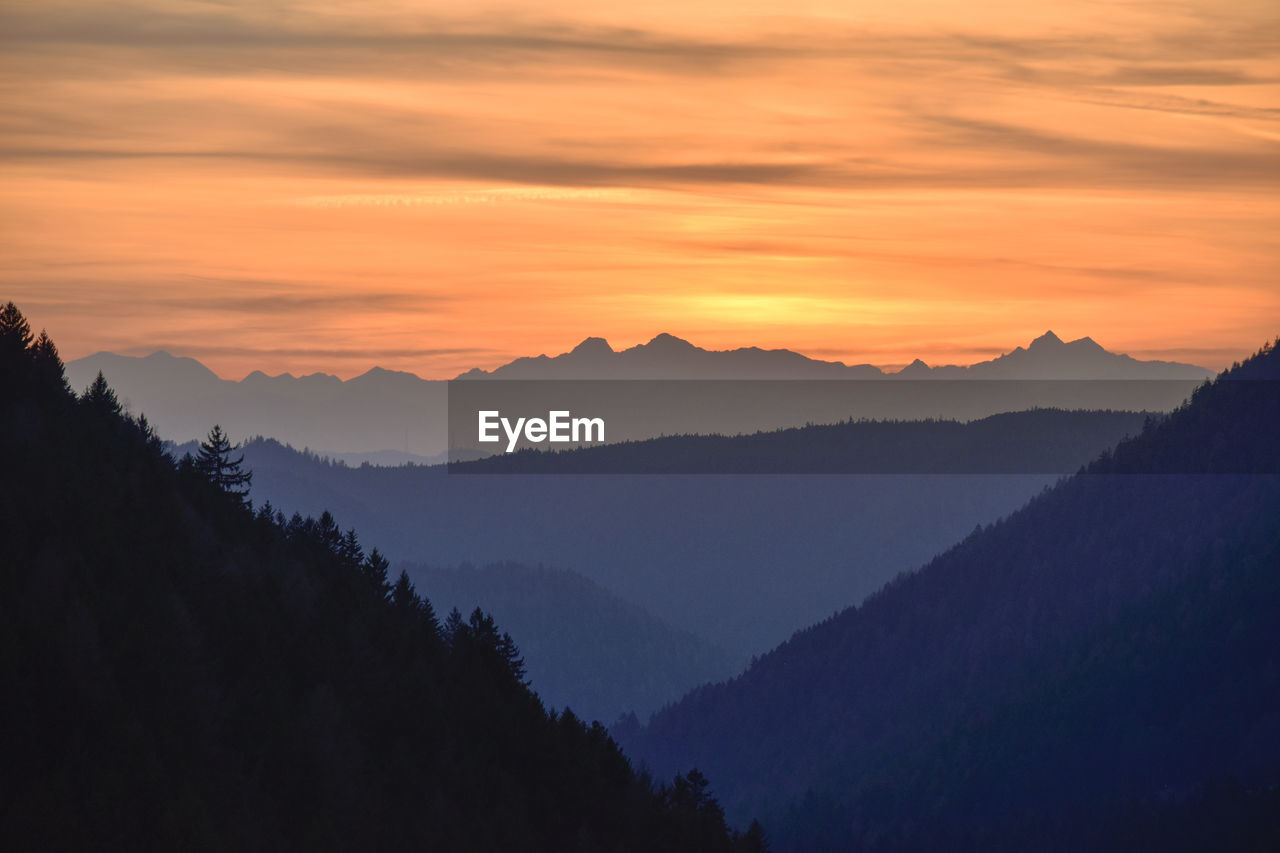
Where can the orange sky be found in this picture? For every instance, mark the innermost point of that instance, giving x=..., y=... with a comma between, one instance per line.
x=432, y=186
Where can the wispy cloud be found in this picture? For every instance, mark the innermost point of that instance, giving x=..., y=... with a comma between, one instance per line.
x=1160, y=102
x=207, y=294
x=255, y=38
x=1063, y=161
x=1084, y=161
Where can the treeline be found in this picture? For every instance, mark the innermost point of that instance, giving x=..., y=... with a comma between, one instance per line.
x=181, y=671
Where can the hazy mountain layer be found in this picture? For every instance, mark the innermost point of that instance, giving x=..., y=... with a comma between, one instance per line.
x=1071, y=677
x=738, y=559
x=379, y=416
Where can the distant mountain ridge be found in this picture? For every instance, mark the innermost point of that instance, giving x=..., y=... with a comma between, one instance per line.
x=669, y=357
x=1050, y=357
x=386, y=416
x=381, y=416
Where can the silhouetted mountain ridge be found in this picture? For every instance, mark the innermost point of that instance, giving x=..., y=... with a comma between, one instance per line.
x=669, y=357
x=666, y=356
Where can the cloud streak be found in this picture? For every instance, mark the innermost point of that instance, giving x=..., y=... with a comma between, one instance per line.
x=1053, y=161
x=193, y=35
x=228, y=295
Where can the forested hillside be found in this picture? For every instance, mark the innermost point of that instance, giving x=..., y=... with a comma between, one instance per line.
x=181, y=671
x=585, y=648
x=1098, y=670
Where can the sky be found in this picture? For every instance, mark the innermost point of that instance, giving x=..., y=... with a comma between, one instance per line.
x=433, y=186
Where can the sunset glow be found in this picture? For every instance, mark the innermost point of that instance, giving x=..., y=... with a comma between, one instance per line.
x=434, y=186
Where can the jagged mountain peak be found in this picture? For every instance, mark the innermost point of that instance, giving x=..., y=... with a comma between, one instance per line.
x=383, y=374
x=915, y=368
x=592, y=347
x=1048, y=339
x=665, y=340
x=1087, y=343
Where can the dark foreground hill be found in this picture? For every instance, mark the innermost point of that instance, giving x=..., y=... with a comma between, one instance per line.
x=181, y=673
x=1099, y=670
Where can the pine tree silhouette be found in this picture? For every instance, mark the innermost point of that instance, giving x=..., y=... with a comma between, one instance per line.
x=15, y=338
x=15, y=331
x=99, y=397
x=49, y=370
x=215, y=462
x=375, y=568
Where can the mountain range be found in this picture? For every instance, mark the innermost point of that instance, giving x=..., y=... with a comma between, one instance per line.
x=390, y=417
x=669, y=357
x=1094, y=670
x=379, y=416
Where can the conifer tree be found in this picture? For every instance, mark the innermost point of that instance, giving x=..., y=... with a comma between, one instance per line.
x=755, y=838
x=49, y=370
x=150, y=438
x=510, y=653
x=99, y=397
x=15, y=331
x=15, y=340
x=403, y=594
x=215, y=462
x=428, y=614
x=454, y=627
x=375, y=567
x=350, y=551
x=330, y=533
